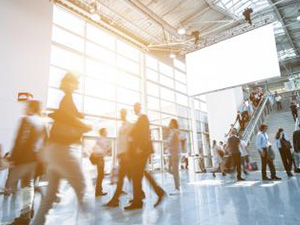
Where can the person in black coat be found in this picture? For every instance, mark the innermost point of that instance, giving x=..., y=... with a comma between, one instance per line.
x=294, y=110
x=296, y=145
x=139, y=151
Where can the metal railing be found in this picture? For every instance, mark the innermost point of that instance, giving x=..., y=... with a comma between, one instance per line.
x=264, y=108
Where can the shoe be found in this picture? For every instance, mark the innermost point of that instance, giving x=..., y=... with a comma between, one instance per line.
x=134, y=206
x=297, y=170
x=290, y=174
x=245, y=172
x=23, y=219
x=266, y=178
x=100, y=194
x=176, y=192
x=240, y=179
x=214, y=175
x=223, y=174
x=112, y=203
x=161, y=196
x=275, y=178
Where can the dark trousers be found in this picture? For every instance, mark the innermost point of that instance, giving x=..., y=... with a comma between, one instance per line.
x=295, y=115
x=287, y=159
x=244, y=162
x=100, y=176
x=265, y=160
x=279, y=106
x=137, y=173
x=122, y=173
x=236, y=163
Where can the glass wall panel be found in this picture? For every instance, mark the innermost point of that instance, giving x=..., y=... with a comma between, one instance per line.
x=151, y=75
x=101, y=37
x=99, y=89
x=165, y=69
x=99, y=107
x=67, y=60
x=67, y=20
x=68, y=39
x=127, y=50
x=151, y=62
x=128, y=96
x=128, y=65
x=100, y=53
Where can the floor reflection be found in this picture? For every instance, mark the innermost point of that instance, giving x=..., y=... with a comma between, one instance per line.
x=204, y=200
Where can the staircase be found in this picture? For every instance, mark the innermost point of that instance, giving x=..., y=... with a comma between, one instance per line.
x=274, y=121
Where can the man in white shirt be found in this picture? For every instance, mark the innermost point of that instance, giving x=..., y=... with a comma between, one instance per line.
x=101, y=148
x=122, y=151
x=262, y=145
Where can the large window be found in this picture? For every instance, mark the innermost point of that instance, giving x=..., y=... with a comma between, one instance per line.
x=111, y=78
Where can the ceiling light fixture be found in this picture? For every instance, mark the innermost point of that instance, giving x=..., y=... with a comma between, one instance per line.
x=94, y=11
x=172, y=55
x=181, y=30
x=96, y=17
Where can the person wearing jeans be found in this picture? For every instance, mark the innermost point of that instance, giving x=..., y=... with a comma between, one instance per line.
x=62, y=152
x=262, y=145
x=101, y=149
x=173, y=147
x=29, y=140
x=122, y=151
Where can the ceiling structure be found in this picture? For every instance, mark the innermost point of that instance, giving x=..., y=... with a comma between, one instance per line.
x=154, y=24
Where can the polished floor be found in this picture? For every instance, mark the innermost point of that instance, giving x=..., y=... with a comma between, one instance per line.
x=204, y=200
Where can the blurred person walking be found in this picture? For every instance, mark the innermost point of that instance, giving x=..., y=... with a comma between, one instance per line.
x=294, y=110
x=100, y=150
x=140, y=150
x=122, y=154
x=284, y=146
x=266, y=153
x=29, y=141
x=173, y=146
x=62, y=151
x=233, y=144
x=244, y=155
x=296, y=145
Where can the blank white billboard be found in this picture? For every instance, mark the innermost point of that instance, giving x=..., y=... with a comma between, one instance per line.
x=240, y=60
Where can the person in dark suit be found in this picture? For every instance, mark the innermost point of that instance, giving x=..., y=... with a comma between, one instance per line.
x=233, y=143
x=294, y=110
x=296, y=144
x=139, y=151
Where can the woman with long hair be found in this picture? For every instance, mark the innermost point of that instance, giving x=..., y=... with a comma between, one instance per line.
x=284, y=147
x=61, y=153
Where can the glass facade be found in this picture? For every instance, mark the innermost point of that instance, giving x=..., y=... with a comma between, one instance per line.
x=115, y=75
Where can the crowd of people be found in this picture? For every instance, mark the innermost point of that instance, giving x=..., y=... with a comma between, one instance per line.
x=55, y=150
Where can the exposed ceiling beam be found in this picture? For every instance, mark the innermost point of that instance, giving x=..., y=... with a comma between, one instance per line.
x=280, y=17
x=288, y=4
x=137, y=5
x=194, y=15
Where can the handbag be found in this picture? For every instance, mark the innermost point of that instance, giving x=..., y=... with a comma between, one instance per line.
x=252, y=166
x=285, y=143
x=271, y=153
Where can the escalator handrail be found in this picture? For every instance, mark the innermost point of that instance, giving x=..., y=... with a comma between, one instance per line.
x=254, y=119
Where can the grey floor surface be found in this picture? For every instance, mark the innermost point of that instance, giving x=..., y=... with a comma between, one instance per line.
x=204, y=200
